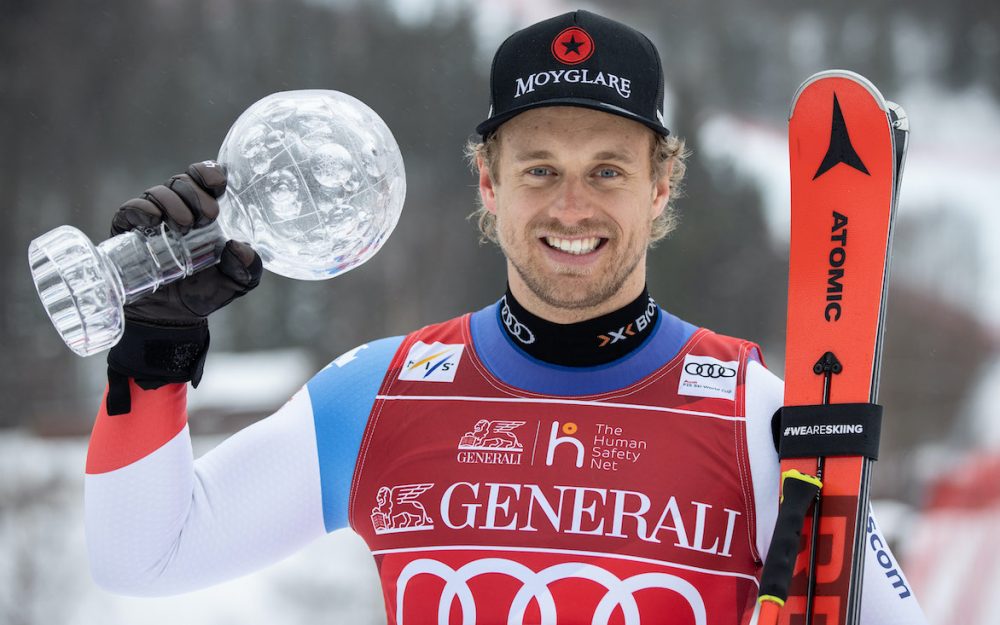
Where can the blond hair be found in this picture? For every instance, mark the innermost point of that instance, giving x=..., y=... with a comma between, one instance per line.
x=663, y=151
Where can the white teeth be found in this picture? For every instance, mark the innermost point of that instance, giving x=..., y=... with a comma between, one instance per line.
x=573, y=246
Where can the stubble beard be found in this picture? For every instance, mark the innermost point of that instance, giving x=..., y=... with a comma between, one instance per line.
x=566, y=290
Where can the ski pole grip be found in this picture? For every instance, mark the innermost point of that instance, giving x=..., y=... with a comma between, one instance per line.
x=798, y=492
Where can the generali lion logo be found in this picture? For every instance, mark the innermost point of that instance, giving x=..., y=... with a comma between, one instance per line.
x=488, y=434
x=491, y=442
x=398, y=509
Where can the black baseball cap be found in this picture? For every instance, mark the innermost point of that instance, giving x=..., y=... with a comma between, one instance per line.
x=577, y=59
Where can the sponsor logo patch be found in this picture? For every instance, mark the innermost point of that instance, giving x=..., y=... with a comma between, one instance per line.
x=573, y=45
x=517, y=329
x=704, y=376
x=607, y=447
x=621, y=84
x=398, y=509
x=580, y=578
x=623, y=333
x=436, y=362
x=491, y=442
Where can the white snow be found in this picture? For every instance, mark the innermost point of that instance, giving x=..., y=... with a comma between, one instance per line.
x=251, y=381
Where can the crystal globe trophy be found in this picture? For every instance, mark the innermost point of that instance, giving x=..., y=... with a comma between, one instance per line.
x=315, y=185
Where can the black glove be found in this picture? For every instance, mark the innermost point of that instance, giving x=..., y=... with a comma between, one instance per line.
x=166, y=333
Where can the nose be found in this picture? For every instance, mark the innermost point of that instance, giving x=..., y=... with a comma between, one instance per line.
x=573, y=202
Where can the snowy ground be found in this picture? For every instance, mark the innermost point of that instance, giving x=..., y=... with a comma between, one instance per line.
x=44, y=579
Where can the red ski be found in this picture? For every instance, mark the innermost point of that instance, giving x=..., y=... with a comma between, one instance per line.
x=846, y=147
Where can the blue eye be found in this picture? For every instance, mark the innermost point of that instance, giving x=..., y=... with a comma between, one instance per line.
x=539, y=171
x=607, y=172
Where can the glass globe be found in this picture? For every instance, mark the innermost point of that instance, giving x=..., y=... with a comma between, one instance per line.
x=316, y=182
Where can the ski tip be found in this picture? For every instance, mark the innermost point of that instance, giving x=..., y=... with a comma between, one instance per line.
x=840, y=73
x=898, y=116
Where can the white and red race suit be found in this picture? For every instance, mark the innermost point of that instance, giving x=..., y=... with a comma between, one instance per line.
x=490, y=487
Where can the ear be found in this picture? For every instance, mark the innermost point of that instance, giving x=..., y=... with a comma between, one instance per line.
x=661, y=190
x=487, y=190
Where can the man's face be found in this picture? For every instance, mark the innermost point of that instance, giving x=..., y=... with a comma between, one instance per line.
x=574, y=199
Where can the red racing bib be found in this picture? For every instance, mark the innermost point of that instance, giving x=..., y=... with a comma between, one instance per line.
x=485, y=503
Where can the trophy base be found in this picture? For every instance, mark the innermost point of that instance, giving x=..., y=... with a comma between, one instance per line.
x=81, y=294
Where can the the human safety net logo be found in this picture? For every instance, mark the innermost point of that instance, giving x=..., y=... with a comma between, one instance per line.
x=437, y=362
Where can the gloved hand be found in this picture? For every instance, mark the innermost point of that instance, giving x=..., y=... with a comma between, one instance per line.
x=166, y=333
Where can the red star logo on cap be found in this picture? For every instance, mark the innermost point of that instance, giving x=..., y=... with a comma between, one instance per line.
x=572, y=46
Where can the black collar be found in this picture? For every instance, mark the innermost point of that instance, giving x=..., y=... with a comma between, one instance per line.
x=587, y=343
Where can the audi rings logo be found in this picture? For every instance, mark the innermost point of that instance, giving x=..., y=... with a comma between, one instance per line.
x=705, y=376
x=709, y=370
x=535, y=587
x=517, y=329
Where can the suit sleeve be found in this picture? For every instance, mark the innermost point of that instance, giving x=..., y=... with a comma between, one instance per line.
x=159, y=522
x=886, y=598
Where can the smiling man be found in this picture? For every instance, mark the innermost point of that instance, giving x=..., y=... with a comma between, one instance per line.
x=572, y=453
x=574, y=193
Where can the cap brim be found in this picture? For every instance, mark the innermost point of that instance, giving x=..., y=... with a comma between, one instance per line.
x=494, y=122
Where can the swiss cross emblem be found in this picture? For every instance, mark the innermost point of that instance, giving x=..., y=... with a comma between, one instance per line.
x=572, y=46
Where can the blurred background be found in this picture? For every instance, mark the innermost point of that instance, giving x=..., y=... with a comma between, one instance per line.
x=101, y=100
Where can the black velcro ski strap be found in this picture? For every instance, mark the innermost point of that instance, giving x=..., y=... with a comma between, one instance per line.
x=798, y=492
x=828, y=430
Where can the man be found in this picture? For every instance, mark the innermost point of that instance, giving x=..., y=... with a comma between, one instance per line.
x=570, y=454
